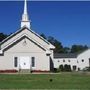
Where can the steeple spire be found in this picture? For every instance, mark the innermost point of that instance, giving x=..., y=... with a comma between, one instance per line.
x=25, y=7
x=25, y=19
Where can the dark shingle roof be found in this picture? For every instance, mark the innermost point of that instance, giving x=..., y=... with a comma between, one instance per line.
x=67, y=55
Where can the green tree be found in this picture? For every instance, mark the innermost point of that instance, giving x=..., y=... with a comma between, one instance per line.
x=78, y=48
x=59, y=47
x=66, y=50
x=57, y=44
x=2, y=36
x=67, y=68
x=61, y=68
x=43, y=35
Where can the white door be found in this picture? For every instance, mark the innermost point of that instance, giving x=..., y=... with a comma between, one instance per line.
x=24, y=63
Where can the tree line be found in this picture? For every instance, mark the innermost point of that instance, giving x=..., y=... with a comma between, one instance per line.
x=59, y=48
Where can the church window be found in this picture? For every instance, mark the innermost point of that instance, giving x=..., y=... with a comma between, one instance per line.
x=15, y=61
x=63, y=60
x=33, y=61
x=77, y=61
x=89, y=62
x=24, y=42
x=74, y=67
x=82, y=60
x=68, y=60
x=58, y=61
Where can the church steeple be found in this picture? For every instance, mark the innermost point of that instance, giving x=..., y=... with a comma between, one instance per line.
x=25, y=7
x=25, y=19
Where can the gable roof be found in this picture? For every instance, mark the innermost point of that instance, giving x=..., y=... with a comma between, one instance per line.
x=82, y=51
x=67, y=55
x=13, y=38
x=19, y=38
x=20, y=30
x=12, y=35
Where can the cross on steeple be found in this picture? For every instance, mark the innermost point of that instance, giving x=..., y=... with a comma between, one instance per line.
x=25, y=19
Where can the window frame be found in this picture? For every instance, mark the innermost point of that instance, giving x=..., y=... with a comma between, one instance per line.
x=82, y=60
x=15, y=62
x=33, y=61
x=63, y=60
x=89, y=62
x=69, y=60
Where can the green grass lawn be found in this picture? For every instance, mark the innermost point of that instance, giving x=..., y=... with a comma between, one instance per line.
x=42, y=81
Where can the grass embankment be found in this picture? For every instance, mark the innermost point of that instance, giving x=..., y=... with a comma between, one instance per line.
x=45, y=81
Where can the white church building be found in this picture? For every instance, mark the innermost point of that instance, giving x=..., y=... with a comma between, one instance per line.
x=26, y=50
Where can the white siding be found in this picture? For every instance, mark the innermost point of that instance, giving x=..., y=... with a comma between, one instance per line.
x=85, y=56
x=59, y=61
x=31, y=50
x=30, y=34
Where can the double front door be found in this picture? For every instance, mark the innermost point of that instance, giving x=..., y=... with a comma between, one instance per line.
x=25, y=62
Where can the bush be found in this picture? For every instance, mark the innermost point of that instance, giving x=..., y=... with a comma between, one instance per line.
x=56, y=70
x=67, y=68
x=61, y=68
x=8, y=71
x=74, y=68
x=86, y=69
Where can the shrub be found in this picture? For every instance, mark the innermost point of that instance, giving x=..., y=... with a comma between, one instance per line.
x=8, y=71
x=74, y=68
x=61, y=68
x=86, y=69
x=56, y=70
x=50, y=80
x=67, y=68
x=64, y=68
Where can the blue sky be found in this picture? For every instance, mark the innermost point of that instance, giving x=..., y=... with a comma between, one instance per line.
x=68, y=22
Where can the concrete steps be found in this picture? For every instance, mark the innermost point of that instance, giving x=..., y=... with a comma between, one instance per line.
x=25, y=71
